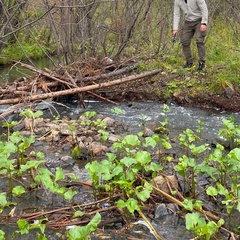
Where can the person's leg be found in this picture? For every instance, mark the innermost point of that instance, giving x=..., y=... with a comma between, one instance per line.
x=186, y=37
x=200, y=43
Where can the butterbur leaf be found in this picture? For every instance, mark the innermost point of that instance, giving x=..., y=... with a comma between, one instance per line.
x=23, y=226
x=3, y=199
x=83, y=232
x=192, y=220
x=78, y=214
x=153, y=167
x=132, y=205
x=128, y=161
x=18, y=190
x=187, y=204
x=121, y=204
x=2, y=233
x=166, y=144
x=30, y=164
x=145, y=193
x=131, y=140
x=150, y=142
x=69, y=194
x=212, y=191
x=143, y=157
x=198, y=204
x=59, y=174
x=221, y=189
x=117, y=170
x=40, y=236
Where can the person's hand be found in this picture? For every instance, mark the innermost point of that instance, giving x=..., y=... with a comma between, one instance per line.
x=203, y=28
x=175, y=32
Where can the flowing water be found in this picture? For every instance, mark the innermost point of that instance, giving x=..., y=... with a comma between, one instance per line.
x=133, y=115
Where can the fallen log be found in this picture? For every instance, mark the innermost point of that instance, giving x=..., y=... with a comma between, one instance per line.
x=80, y=89
x=60, y=79
x=46, y=74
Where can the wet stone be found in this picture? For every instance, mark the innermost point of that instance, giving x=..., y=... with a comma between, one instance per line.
x=113, y=138
x=160, y=210
x=109, y=121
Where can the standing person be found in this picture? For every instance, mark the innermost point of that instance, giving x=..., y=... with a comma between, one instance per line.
x=195, y=22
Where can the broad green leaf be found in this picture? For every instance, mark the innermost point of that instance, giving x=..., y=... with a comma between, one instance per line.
x=153, y=167
x=59, y=174
x=41, y=236
x=188, y=204
x=23, y=226
x=117, y=170
x=192, y=220
x=132, y=205
x=70, y=194
x=3, y=199
x=2, y=234
x=149, y=141
x=144, y=192
x=198, y=205
x=117, y=110
x=78, y=214
x=128, y=161
x=82, y=233
x=166, y=144
x=131, y=140
x=198, y=149
x=40, y=155
x=111, y=156
x=121, y=204
x=143, y=157
x=10, y=147
x=18, y=190
x=221, y=189
x=212, y=191
x=31, y=164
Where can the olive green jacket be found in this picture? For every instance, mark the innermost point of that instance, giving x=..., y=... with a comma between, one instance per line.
x=193, y=10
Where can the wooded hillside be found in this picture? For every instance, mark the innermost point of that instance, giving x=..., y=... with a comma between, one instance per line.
x=87, y=28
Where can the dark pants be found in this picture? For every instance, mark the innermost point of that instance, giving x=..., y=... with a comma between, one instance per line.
x=188, y=31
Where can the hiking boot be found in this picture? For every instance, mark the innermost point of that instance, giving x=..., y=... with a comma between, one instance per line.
x=188, y=65
x=201, y=66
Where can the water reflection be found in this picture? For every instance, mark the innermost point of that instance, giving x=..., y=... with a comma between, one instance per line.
x=10, y=73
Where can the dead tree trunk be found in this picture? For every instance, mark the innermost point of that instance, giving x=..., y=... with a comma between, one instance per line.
x=80, y=89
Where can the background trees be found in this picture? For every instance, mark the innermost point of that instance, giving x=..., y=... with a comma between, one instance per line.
x=89, y=28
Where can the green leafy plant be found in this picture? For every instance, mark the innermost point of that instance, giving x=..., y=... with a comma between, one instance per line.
x=201, y=228
x=2, y=234
x=187, y=165
x=4, y=202
x=120, y=170
x=83, y=233
x=231, y=131
x=25, y=227
x=50, y=181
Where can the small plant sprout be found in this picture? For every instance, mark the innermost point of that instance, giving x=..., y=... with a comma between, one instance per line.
x=31, y=116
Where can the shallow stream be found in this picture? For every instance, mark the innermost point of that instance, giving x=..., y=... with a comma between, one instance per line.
x=133, y=115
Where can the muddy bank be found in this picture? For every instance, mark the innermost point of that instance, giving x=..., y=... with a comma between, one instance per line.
x=189, y=91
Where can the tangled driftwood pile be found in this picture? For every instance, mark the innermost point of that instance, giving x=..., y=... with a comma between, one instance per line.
x=77, y=78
